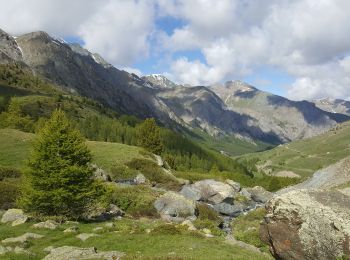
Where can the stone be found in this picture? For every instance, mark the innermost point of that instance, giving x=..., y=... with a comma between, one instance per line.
x=175, y=207
x=235, y=185
x=109, y=225
x=244, y=192
x=189, y=225
x=208, y=191
x=49, y=224
x=308, y=224
x=97, y=229
x=206, y=231
x=21, y=239
x=85, y=236
x=16, y=216
x=74, y=253
x=72, y=229
x=228, y=209
x=3, y=250
x=99, y=213
x=100, y=174
x=191, y=193
x=259, y=194
x=140, y=179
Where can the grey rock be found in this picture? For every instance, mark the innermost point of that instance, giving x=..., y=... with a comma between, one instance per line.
x=49, y=224
x=16, y=216
x=244, y=192
x=73, y=229
x=259, y=194
x=308, y=224
x=228, y=209
x=235, y=185
x=208, y=191
x=75, y=253
x=3, y=250
x=175, y=207
x=191, y=192
x=85, y=236
x=140, y=179
x=23, y=238
x=99, y=213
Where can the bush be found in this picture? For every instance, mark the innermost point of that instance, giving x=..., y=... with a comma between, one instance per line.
x=135, y=200
x=122, y=172
x=154, y=173
x=167, y=229
x=9, y=192
x=246, y=228
x=8, y=172
x=207, y=213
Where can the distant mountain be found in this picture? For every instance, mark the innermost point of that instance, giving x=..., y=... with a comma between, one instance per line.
x=234, y=109
x=288, y=119
x=334, y=105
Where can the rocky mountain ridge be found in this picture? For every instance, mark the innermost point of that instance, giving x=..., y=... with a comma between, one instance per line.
x=245, y=113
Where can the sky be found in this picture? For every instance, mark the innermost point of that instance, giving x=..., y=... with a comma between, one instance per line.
x=295, y=48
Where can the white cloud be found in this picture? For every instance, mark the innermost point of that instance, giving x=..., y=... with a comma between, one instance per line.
x=118, y=30
x=308, y=39
x=133, y=70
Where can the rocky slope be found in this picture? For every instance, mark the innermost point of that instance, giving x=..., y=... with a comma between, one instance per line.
x=214, y=110
x=333, y=105
x=289, y=120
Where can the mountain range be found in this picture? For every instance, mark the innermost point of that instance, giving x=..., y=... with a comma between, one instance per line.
x=234, y=109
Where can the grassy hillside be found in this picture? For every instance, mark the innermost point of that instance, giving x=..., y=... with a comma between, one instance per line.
x=15, y=148
x=165, y=241
x=306, y=156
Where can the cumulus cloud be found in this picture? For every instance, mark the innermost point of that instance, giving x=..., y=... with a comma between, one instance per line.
x=308, y=39
x=118, y=30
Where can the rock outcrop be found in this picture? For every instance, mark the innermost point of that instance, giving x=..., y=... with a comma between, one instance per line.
x=16, y=216
x=175, y=207
x=70, y=252
x=308, y=224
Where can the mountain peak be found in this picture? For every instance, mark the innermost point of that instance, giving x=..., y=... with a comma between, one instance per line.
x=159, y=81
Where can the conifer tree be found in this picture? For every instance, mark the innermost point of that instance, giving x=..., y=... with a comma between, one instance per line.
x=149, y=136
x=59, y=181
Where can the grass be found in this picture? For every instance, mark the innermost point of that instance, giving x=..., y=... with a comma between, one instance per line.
x=130, y=236
x=15, y=147
x=304, y=157
x=228, y=144
x=246, y=228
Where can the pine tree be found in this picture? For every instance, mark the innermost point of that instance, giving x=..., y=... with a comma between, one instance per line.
x=149, y=136
x=59, y=181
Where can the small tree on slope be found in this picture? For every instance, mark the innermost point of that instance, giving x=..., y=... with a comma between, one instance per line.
x=59, y=181
x=149, y=137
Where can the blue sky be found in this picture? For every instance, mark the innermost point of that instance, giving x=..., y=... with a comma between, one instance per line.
x=296, y=48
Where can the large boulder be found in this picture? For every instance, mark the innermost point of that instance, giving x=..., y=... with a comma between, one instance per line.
x=71, y=252
x=16, y=216
x=259, y=194
x=308, y=224
x=175, y=207
x=210, y=191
